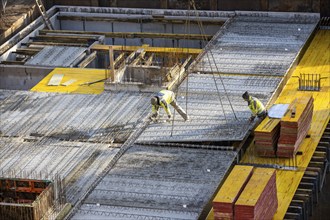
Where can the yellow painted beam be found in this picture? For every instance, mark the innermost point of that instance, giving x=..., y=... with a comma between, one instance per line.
x=157, y=50
x=80, y=75
x=133, y=34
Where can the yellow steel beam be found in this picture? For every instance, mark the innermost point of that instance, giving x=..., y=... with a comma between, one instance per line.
x=111, y=65
x=132, y=34
x=44, y=43
x=180, y=52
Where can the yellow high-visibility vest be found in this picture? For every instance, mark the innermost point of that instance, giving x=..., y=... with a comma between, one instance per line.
x=255, y=106
x=165, y=97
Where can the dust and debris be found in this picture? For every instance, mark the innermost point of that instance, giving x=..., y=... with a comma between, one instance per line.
x=13, y=11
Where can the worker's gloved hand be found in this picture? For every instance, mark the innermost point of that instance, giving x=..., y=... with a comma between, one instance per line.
x=153, y=117
x=251, y=119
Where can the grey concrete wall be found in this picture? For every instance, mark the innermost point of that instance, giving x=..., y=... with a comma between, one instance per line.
x=21, y=77
x=209, y=29
x=321, y=6
x=145, y=74
x=50, y=3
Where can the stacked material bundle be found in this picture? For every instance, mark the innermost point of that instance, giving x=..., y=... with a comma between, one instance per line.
x=294, y=127
x=223, y=203
x=259, y=197
x=266, y=136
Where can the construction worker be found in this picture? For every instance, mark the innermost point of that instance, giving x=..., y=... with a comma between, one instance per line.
x=163, y=99
x=256, y=107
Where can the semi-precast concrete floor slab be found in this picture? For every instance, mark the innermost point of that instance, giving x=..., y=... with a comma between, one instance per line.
x=264, y=44
x=212, y=112
x=57, y=56
x=96, y=118
x=157, y=182
x=78, y=163
x=43, y=134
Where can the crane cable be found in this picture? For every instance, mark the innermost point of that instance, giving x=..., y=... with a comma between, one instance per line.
x=203, y=34
x=187, y=30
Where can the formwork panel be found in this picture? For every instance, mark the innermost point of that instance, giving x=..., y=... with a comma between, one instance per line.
x=157, y=182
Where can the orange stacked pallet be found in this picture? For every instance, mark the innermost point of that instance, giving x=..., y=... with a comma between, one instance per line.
x=295, y=128
x=223, y=203
x=259, y=197
x=266, y=137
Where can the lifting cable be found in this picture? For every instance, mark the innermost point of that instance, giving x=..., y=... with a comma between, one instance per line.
x=186, y=39
x=204, y=36
x=187, y=30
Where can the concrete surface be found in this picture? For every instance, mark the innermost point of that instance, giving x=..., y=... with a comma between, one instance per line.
x=21, y=77
x=153, y=182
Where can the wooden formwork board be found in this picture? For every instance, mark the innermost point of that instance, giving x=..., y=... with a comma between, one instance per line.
x=224, y=201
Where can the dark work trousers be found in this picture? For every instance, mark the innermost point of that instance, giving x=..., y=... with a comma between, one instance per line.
x=263, y=115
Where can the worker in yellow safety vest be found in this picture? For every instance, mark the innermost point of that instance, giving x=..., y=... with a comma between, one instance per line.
x=163, y=99
x=256, y=107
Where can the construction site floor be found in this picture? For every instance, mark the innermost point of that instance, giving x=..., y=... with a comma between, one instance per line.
x=315, y=60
